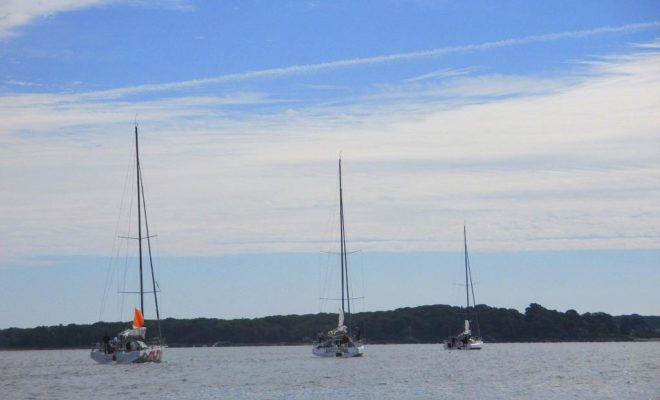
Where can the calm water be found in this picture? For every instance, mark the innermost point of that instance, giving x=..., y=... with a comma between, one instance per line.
x=500, y=371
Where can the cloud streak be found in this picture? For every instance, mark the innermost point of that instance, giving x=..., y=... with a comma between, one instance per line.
x=566, y=157
x=17, y=13
x=367, y=61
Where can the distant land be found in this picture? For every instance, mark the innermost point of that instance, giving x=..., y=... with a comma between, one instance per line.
x=423, y=324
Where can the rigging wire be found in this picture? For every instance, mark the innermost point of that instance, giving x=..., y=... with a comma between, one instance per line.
x=337, y=224
x=474, y=302
x=154, y=249
x=126, y=256
x=116, y=244
x=349, y=282
x=332, y=226
x=151, y=264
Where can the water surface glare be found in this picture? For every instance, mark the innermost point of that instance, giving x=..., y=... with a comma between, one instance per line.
x=500, y=371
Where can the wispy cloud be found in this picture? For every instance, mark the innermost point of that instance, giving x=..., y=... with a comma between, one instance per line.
x=366, y=61
x=174, y=5
x=20, y=83
x=441, y=73
x=17, y=13
x=572, y=158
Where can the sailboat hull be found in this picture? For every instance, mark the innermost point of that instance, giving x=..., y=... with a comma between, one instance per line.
x=338, y=351
x=150, y=354
x=470, y=345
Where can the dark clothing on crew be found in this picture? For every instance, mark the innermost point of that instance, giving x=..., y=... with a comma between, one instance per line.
x=106, y=344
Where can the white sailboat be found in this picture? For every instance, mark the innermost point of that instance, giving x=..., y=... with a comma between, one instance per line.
x=465, y=340
x=341, y=341
x=129, y=346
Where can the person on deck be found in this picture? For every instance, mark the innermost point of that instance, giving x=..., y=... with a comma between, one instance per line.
x=106, y=344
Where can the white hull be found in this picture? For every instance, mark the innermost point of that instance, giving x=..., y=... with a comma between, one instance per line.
x=343, y=351
x=476, y=345
x=150, y=354
x=470, y=345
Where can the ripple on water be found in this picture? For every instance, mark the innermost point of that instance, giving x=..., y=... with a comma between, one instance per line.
x=499, y=371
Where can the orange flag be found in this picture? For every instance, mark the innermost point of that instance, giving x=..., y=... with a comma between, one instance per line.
x=138, y=319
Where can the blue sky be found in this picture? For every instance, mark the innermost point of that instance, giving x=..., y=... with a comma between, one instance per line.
x=534, y=123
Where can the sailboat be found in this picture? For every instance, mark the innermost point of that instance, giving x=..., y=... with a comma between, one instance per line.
x=341, y=341
x=465, y=340
x=129, y=346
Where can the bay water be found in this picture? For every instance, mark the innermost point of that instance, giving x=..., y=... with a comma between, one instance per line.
x=499, y=371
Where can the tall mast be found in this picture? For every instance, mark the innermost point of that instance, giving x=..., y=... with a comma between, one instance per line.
x=341, y=238
x=348, y=294
x=137, y=163
x=344, y=258
x=467, y=288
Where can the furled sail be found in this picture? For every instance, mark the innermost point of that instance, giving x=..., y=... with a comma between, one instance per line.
x=341, y=318
x=138, y=319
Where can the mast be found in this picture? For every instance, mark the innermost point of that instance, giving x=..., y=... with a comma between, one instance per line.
x=344, y=258
x=137, y=163
x=467, y=287
x=341, y=237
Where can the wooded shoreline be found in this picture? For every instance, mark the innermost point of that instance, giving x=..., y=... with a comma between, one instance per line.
x=423, y=324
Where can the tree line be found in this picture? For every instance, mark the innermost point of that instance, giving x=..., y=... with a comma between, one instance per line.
x=423, y=324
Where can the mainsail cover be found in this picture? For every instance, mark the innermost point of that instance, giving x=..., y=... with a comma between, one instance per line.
x=138, y=319
x=341, y=328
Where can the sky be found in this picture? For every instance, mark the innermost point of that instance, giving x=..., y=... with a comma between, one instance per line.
x=535, y=124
